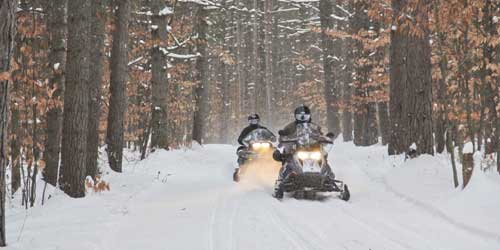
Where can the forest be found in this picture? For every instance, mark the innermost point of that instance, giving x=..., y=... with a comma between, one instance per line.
x=81, y=80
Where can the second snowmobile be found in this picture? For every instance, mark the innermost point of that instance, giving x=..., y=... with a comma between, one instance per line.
x=258, y=145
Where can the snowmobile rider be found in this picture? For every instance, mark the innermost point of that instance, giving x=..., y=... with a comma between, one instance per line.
x=282, y=154
x=254, y=123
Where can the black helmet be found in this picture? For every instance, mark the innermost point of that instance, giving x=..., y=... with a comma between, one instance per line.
x=302, y=114
x=254, y=119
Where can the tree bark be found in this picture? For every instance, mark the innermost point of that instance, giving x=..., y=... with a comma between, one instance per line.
x=200, y=119
x=159, y=81
x=331, y=89
x=411, y=81
x=118, y=82
x=56, y=28
x=7, y=33
x=74, y=138
x=97, y=36
x=268, y=50
x=384, y=122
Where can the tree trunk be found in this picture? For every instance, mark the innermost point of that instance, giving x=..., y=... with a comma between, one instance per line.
x=202, y=103
x=442, y=96
x=7, y=32
x=252, y=86
x=159, y=81
x=347, y=126
x=76, y=105
x=331, y=88
x=56, y=28
x=97, y=36
x=411, y=81
x=451, y=150
x=268, y=48
x=467, y=168
x=384, y=122
x=225, y=80
x=118, y=82
x=15, y=128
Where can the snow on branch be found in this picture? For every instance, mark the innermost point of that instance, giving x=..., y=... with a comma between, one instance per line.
x=344, y=10
x=339, y=18
x=206, y=3
x=135, y=61
x=299, y=1
x=186, y=56
x=166, y=11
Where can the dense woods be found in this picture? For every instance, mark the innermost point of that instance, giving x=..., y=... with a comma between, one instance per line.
x=420, y=76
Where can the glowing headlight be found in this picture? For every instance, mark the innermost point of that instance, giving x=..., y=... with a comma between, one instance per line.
x=257, y=145
x=315, y=156
x=303, y=155
x=265, y=145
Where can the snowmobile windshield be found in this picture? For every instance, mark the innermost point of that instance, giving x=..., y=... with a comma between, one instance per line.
x=259, y=135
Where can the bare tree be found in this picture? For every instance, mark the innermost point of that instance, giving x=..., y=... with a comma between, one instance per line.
x=200, y=119
x=119, y=76
x=411, y=81
x=97, y=36
x=159, y=121
x=76, y=105
x=56, y=27
x=332, y=90
x=7, y=32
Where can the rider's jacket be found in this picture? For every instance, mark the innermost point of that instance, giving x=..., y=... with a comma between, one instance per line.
x=290, y=131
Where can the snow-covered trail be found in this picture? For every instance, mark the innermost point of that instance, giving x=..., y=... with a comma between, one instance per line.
x=187, y=200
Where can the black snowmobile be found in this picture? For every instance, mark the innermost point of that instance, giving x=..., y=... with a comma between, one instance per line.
x=306, y=169
x=258, y=145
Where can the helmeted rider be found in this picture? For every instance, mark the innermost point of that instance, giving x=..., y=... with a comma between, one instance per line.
x=254, y=123
x=284, y=154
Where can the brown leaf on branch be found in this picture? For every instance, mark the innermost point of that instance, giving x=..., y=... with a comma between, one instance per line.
x=4, y=76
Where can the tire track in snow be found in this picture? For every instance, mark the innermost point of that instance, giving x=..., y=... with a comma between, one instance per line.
x=233, y=217
x=310, y=240
x=429, y=209
x=213, y=217
x=286, y=232
x=375, y=231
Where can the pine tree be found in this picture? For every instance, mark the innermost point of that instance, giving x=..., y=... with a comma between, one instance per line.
x=411, y=80
x=7, y=32
x=119, y=76
x=76, y=104
x=57, y=60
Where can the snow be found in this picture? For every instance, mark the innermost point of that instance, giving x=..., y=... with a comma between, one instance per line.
x=186, y=199
x=338, y=17
x=180, y=56
x=495, y=19
x=468, y=148
x=166, y=11
x=56, y=66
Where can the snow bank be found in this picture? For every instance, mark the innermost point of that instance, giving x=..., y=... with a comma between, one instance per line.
x=186, y=199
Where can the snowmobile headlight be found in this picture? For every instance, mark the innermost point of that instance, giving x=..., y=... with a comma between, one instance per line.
x=265, y=145
x=316, y=156
x=303, y=155
x=257, y=145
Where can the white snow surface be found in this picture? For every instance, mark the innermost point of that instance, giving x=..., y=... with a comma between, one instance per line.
x=186, y=199
x=468, y=148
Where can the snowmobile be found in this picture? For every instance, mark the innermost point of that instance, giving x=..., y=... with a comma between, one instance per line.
x=306, y=169
x=258, y=145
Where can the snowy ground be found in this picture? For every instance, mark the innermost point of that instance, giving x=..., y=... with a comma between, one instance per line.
x=187, y=200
